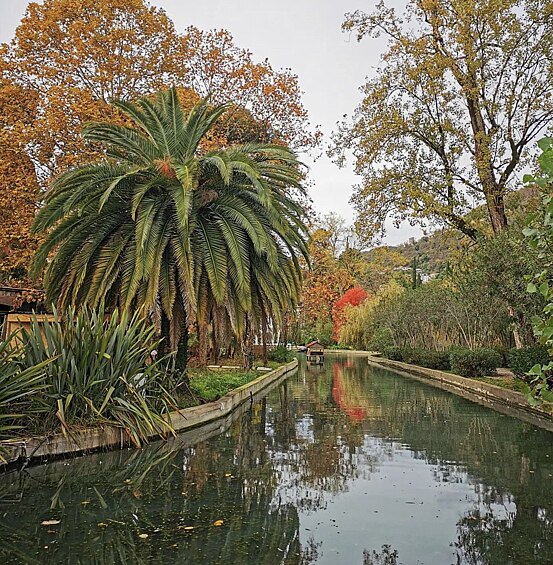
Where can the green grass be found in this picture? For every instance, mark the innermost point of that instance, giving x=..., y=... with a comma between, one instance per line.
x=210, y=385
x=504, y=382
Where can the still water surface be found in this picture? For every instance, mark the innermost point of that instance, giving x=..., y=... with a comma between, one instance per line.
x=344, y=464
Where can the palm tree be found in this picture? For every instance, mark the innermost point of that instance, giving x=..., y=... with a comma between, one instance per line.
x=166, y=225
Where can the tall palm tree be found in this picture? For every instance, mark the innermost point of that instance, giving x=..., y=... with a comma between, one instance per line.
x=164, y=224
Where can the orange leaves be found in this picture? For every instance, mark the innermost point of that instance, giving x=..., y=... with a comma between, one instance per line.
x=70, y=58
x=353, y=297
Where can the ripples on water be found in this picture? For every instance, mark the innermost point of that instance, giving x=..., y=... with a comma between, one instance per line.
x=340, y=464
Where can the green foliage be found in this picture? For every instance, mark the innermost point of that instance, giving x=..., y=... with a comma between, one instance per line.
x=18, y=384
x=171, y=225
x=321, y=330
x=521, y=361
x=474, y=362
x=211, y=385
x=427, y=358
x=392, y=352
x=102, y=372
x=281, y=354
x=540, y=234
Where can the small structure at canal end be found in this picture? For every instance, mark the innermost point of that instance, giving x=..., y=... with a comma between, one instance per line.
x=315, y=352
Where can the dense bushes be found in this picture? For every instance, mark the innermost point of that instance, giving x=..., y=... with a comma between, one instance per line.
x=474, y=362
x=465, y=362
x=103, y=372
x=471, y=362
x=281, y=354
x=393, y=353
x=522, y=360
x=431, y=359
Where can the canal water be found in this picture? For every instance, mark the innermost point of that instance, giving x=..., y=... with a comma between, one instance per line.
x=341, y=464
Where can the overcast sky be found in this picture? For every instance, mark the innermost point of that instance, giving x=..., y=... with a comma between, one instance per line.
x=303, y=35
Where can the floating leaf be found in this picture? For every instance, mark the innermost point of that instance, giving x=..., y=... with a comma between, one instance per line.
x=50, y=522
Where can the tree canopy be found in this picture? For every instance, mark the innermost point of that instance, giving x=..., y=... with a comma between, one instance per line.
x=165, y=225
x=70, y=58
x=449, y=119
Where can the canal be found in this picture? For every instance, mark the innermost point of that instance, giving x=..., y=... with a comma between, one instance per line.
x=343, y=463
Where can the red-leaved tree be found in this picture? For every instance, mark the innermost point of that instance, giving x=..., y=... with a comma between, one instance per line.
x=352, y=297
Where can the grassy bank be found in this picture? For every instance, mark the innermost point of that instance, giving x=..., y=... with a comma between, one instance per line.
x=207, y=385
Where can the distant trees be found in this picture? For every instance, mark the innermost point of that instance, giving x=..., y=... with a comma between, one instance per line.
x=351, y=298
x=449, y=119
x=324, y=282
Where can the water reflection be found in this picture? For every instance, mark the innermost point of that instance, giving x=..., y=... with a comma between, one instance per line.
x=346, y=464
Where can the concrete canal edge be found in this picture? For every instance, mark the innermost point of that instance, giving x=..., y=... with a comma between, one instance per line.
x=502, y=400
x=92, y=439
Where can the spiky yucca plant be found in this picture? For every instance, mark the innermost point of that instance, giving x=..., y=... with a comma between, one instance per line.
x=103, y=372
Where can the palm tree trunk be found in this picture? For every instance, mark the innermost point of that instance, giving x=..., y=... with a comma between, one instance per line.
x=165, y=345
x=264, y=337
x=181, y=358
x=216, y=348
x=203, y=343
x=247, y=348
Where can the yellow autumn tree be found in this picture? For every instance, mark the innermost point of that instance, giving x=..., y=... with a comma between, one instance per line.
x=463, y=91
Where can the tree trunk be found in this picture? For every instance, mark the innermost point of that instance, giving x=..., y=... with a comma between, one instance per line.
x=203, y=343
x=247, y=348
x=181, y=357
x=516, y=334
x=493, y=192
x=264, y=337
x=165, y=345
x=216, y=348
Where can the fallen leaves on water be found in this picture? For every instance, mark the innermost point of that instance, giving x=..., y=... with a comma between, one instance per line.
x=218, y=522
x=50, y=522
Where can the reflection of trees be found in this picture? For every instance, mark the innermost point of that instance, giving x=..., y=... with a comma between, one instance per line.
x=387, y=556
x=504, y=454
x=287, y=455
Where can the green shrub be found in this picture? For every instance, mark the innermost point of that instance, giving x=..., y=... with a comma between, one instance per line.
x=393, y=353
x=427, y=358
x=380, y=340
x=432, y=359
x=474, y=362
x=281, y=354
x=17, y=387
x=504, y=352
x=520, y=361
x=102, y=372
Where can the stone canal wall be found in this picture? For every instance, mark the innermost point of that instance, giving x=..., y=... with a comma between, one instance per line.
x=500, y=399
x=92, y=439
